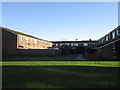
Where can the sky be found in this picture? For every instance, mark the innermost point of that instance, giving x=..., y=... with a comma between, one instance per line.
x=61, y=21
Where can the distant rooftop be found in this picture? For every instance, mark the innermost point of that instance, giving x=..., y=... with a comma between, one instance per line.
x=73, y=41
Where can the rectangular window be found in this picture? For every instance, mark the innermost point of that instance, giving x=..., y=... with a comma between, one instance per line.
x=20, y=37
x=35, y=40
x=110, y=36
x=67, y=44
x=38, y=41
x=113, y=34
x=117, y=32
x=75, y=44
x=85, y=44
x=72, y=44
x=61, y=44
x=32, y=40
x=102, y=40
x=26, y=39
x=56, y=44
x=106, y=38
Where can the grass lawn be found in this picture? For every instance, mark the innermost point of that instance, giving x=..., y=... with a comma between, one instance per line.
x=60, y=77
x=61, y=63
x=59, y=74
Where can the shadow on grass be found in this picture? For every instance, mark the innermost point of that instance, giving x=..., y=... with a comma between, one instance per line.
x=60, y=77
x=37, y=58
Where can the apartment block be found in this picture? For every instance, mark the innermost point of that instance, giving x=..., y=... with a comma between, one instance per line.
x=13, y=40
x=78, y=47
x=85, y=43
x=108, y=46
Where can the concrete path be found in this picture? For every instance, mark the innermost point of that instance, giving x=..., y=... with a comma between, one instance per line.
x=80, y=57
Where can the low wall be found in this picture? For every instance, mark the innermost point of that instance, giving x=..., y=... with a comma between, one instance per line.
x=92, y=56
x=38, y=52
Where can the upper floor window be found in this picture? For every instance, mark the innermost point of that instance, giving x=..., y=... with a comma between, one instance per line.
x=113, y=34
x=118, y=32
x=99, y=42
x=32, y=40
x=85, y=44
x=35, y=40
x=61, y=44
x=109, y=35
x=20, y=38
x=56, y=44
x=72, y=44
x=26, y=39
x=75, y=44
x=102, y=40
x=106, y=38
x=38, y=41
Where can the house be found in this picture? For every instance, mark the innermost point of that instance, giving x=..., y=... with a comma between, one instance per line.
x=85, y=43
x=13, y=40
x=71, y=47
x=108, y=47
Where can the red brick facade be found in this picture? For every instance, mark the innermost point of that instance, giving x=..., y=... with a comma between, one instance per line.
x=13, y=40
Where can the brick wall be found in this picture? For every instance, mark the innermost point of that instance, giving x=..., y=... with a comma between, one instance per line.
x=38, y=52
x=9, y=43
x=110, y=52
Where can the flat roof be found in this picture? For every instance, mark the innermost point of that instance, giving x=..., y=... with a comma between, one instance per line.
x=73, y=41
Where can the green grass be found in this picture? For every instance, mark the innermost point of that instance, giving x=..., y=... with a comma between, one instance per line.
x=104, y=75
x=60, y=77
x=61, y=63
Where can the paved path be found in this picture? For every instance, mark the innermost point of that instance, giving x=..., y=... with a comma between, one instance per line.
x=80, y=57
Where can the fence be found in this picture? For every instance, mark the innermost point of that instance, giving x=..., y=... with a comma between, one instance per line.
x=38, y=52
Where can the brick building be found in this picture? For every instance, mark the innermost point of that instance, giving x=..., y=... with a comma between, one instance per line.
x=85, y=43
x=108, y=47
x=13, y=40
x=72, y=47
x=9, y=43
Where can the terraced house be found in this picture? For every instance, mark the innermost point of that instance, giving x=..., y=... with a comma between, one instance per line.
x=109, y=45
x=13, y=40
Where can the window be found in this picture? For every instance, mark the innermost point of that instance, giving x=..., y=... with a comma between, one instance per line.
x=106, y=38
x=61, y=44
x=67, y=44
x=75, y=44
x=38, y=41
x=35, y=40
x=102, y=40
x=56, y=44
x=113, y=34
x=85, y=44
x=20, y=37
x=72, y=44
x=26, y=39
x=118, y=32
x=32, y=40
x=110, y=36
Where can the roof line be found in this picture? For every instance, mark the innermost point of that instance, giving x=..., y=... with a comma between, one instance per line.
x=17, y=32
